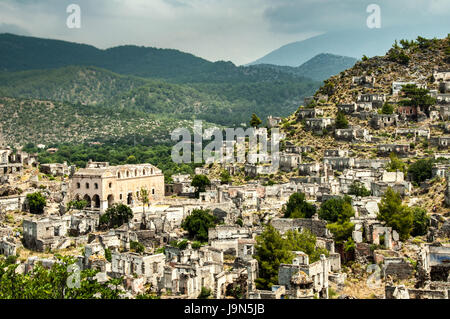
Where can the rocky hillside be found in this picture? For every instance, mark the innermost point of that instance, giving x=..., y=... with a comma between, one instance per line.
x=405, y=61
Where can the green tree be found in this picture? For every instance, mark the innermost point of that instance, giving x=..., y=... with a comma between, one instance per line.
x=338, y=211
x=205, y=293
x=341, y=120
x=225, y=177
x=272, y=249
x=387, y=108
x=132, y=159
x=255, y=121
x=394, y=214
x=144, y=198
x=36, y=203
x=395, y=164
x=200, y=182
x=341, y=230
x=298, y=207
x=198, y=223
x=137, y=247
x=421, y=170
x=108, y=255
x=44, y=283
x=77, y=204
x=417, y=97
x=421, y=221
x=116, y=215
x=336, y=208
x=358, y=189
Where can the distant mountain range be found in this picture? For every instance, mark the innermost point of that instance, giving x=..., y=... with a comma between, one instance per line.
x=351, y=43
x=19, y=53
x=319, y=68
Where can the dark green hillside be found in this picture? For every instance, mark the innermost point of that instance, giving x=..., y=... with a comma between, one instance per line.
x=18, y=53
x=221, y=103
x=85, y=85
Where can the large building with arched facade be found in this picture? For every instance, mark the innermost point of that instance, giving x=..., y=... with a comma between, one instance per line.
x=102, y=185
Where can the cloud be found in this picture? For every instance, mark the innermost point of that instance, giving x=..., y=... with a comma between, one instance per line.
x=332, y=15
x=236, y=30
x=11, y=28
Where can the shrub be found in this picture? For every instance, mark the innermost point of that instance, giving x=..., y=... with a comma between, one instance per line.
x=36, y=203
x=421, y=170
x=336, y=208
x=108, y=255
x=198, y=223
x=137, y=247
x=421, y=222
x=116, y=215
x=204, y=293
x=396, y=215
x=298, y=207
x=358, y=189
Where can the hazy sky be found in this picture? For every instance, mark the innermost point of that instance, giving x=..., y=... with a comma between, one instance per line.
x=237, y=30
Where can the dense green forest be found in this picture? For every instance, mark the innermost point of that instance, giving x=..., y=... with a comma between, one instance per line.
x=226, y=104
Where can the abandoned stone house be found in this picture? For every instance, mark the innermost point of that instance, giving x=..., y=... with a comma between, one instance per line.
x=441, y=75
x=433, y=271
x=226, y=238
x=83, y=223
x=363, y=107
x=370, y=230
x=304, y=113
x=398, y=149
x=443, y=142
x=187, y=271
x=150, y=267
x=261, y=169
x=444, y=87
x=366, y=207
x=10, y=162
x=8, y=247
x=339, y=163
x=353, y=134
x=375, y=100
x=366, y=81
x=273, y=121
x=406, y=112
x=55, y=169
x=347, y=108
x=289, y=162
x=412, y=133
x=316, y=226
x=319, y=124
x=397, y=86
x=309, y=169
x=379, y=121
x=46, y=233
x=370, y=163
x=440, y=170
x=380, y=187
x=335, y=153
x=304, y=280
x=102, y=185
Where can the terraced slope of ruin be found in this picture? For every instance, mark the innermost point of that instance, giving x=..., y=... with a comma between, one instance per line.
x=406, y=62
